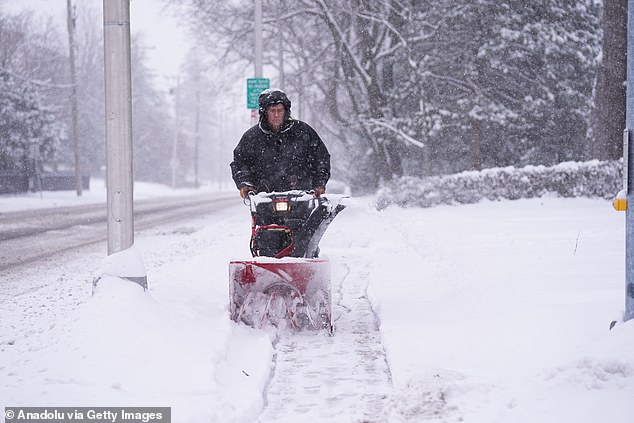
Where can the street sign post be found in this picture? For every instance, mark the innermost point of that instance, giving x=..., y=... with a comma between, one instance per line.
x=255, y=86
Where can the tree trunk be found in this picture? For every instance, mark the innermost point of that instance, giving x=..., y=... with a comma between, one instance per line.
x=609, y=118
x=474, y=145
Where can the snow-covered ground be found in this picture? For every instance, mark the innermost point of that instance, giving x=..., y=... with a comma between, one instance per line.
x=96, y=194
x=491, y=312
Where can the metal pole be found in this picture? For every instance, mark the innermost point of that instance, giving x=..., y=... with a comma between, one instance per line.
x=174, y=160
x=119, y=182
x=280, y=40
x=197, y=135
x=258, y=38
x=300, y=98
x=70, y=22
x=629, y=123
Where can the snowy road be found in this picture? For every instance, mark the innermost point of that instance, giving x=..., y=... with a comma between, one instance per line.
x=33, y=235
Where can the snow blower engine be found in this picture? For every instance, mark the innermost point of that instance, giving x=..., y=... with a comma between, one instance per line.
x=286, y=284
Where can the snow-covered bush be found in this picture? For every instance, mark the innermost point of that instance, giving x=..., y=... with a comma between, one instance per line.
x=570, y=179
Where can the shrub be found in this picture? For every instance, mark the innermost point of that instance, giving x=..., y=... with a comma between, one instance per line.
x=570, y=179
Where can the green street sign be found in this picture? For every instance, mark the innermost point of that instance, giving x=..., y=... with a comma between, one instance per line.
x=255, y=86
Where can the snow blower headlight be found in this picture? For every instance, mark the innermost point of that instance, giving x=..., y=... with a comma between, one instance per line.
x=281, y=206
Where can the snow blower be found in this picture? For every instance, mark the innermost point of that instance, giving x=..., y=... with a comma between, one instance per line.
x=286, y=284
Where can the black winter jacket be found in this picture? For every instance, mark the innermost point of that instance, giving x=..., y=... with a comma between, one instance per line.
x=294, y=158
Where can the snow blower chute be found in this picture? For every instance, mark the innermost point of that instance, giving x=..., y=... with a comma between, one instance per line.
x=285, y=283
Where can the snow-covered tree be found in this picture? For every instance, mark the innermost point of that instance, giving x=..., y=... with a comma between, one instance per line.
x=90, y=88
x=29, y=132
x=429, y=86
x=153, y=126
x=504, y=82
x=35, y=93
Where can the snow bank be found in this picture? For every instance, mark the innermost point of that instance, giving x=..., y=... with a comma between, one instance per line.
x=500, y=311
x=593, y=179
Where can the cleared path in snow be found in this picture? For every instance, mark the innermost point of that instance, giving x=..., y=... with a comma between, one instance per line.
x=340, y=378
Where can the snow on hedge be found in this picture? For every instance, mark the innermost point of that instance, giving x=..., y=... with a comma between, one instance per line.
x=569, y=179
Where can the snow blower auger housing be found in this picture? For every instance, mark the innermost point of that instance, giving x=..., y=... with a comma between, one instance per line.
x=286, y=284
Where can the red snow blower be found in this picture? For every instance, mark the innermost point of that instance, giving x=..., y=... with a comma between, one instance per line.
x=286, y=283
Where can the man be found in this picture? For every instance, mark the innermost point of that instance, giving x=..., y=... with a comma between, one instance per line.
x=280, y=153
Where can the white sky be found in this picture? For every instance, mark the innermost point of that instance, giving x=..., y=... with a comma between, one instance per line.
x=163, y=35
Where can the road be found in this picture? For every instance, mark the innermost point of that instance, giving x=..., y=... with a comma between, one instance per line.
x=31, y=235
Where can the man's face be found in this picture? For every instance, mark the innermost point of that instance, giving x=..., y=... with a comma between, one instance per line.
x=275, y=116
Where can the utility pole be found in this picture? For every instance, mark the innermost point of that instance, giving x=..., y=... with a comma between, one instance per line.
x=70, y=21
x=258, y=38
x=174, y=159
x=280, y=56
x=629, y=157
x=197, y=133
x=119, y=182
x=257, y=68
x=300, y=98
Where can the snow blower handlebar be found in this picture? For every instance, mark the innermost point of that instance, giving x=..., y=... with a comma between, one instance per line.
x=289, y=223
x=255, y=198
